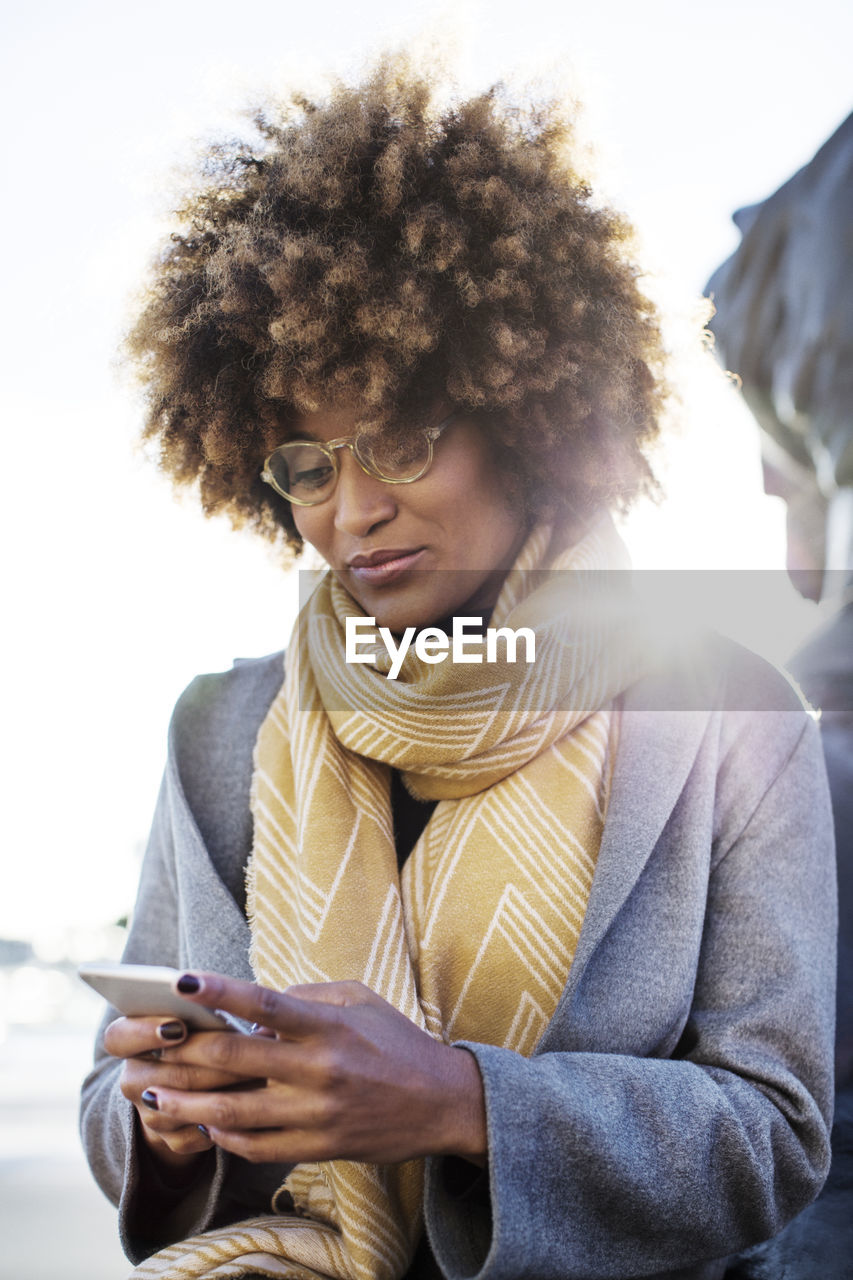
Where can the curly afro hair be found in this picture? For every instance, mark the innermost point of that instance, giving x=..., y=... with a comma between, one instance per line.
x=375, y=249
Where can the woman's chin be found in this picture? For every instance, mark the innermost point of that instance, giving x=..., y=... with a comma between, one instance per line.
x=423, y=597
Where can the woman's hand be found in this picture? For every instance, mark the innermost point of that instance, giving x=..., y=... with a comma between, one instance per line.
x=347, y=1077
x=143, y=1043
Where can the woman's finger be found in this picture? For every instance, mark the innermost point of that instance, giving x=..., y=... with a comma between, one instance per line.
x=296, y=1146
x=129, y=1037
x=289, y=1016
x=187, y=1141
x=142, y=1073
x=183, y=1140
x=269, y=1108
x=244, y=1057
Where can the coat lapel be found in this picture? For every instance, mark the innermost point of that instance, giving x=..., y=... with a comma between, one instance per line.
x=661, y=726
x=214, y=930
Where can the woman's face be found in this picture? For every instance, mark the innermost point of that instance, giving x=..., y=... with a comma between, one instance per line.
x=414, y=554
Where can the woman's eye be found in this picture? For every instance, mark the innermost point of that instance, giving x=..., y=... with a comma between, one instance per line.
x=313, y=477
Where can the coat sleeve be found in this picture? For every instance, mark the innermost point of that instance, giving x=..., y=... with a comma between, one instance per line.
x=151, y=1212
x=605, y=1164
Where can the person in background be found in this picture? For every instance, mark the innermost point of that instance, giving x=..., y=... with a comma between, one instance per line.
x=784, y=324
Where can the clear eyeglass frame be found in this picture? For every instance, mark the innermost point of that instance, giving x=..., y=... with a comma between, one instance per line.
x=329, y=449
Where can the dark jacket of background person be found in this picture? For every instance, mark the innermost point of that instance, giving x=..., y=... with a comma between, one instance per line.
x=784, y=324
x=677, y=1107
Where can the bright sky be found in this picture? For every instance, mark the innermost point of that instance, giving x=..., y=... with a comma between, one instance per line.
x=119, y=595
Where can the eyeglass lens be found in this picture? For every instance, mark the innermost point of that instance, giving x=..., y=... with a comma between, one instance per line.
x=308, y=473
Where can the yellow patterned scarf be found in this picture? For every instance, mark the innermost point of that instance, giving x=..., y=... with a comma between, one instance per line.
x=474, y=939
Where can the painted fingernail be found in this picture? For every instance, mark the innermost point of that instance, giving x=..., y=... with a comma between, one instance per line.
x=149, y=1097
x=188, y=984
x=171, y=1031
x=205, y=1131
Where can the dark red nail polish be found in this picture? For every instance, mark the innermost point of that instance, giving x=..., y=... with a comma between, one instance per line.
x=171, y=1030
x=188, y=983
x=149, y=1097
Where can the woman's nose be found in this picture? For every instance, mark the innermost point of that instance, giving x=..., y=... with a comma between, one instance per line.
x=361, y=501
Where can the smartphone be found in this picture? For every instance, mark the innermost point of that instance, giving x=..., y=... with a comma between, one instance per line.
x=141, y=989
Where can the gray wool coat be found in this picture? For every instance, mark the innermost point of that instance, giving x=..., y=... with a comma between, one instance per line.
x=677, y=1108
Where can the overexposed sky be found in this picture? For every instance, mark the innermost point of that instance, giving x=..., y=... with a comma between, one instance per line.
x=118, y=595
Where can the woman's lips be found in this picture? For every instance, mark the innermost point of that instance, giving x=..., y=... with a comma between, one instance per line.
x=382, y=566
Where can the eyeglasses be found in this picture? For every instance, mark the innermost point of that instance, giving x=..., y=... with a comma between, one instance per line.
x=306, y=471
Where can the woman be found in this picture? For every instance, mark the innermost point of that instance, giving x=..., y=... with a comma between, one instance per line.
x=539, y=953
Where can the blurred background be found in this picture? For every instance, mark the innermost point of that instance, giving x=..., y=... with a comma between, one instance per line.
x=119, y=594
